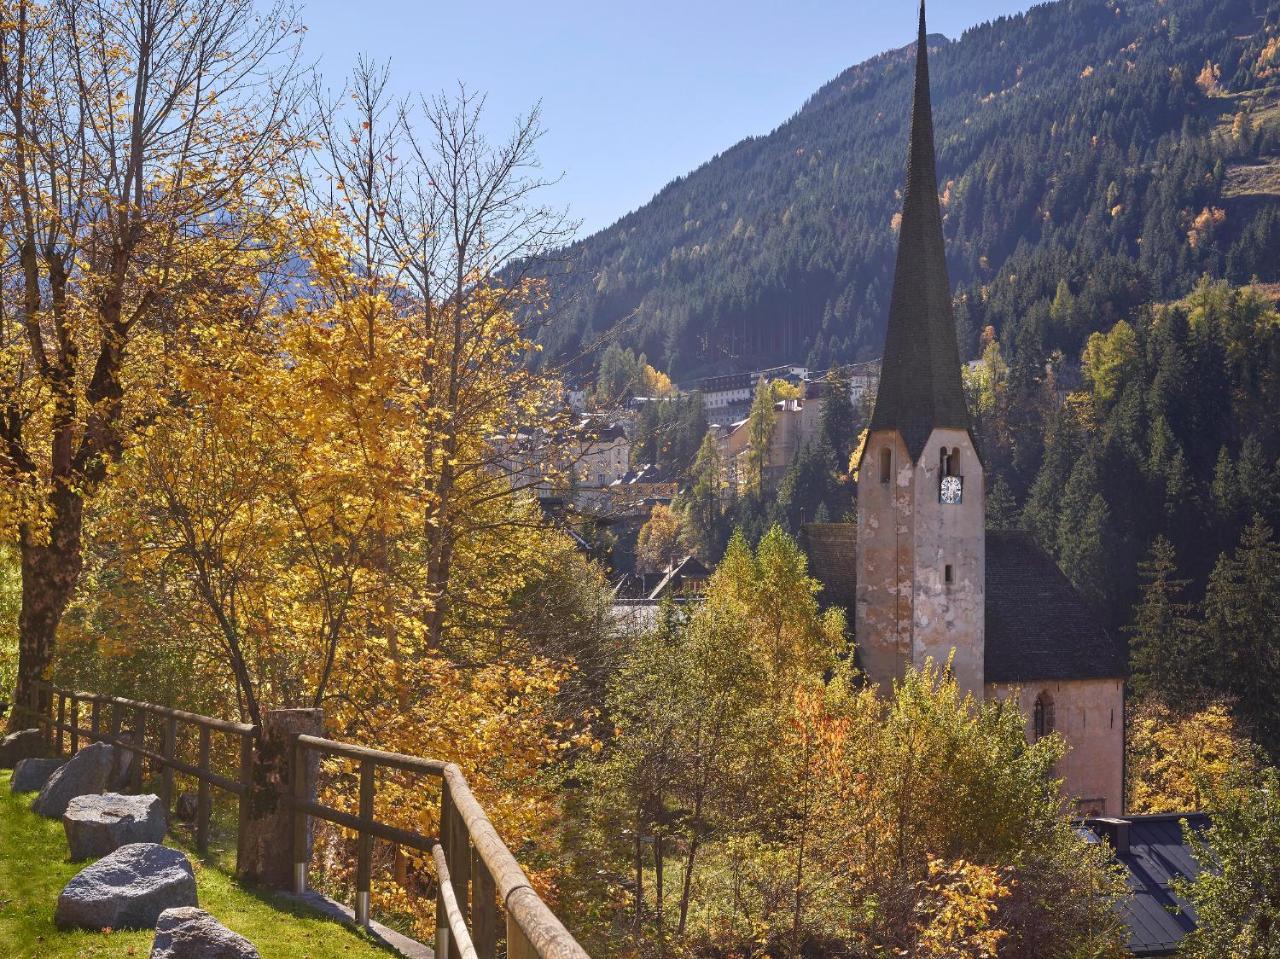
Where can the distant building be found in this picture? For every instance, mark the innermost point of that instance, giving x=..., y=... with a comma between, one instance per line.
x=603, y=454
x=728, y=398
x=796, y=422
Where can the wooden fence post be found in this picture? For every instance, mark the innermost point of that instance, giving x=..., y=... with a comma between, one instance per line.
x=202, y=795
x=75, y=724
x=140, y=741
x=518, y=945
x=168, y=746
x=301, y=823
x=95, y=721
x=458, y=855
x=62, y=718
x=266, y=823
x=484, y=909
x=444, y=941
x=364, y=845
x=246, y=797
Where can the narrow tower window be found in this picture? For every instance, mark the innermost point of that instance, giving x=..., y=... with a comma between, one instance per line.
x=886, y=465
x=948, y=576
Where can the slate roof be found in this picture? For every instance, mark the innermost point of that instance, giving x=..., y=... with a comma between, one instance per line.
x=690, y=569
x=1037, y=626
x=832, y=549
x=920, y=386
x=1157, y=917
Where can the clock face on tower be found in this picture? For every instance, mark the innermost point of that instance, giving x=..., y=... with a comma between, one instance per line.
x=951, y=491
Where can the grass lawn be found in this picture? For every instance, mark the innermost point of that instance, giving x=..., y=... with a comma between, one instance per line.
x=34, y=868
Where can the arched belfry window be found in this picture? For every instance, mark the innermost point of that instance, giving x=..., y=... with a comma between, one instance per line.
x=1042, y=715
x=886, y=465
x=949, y=462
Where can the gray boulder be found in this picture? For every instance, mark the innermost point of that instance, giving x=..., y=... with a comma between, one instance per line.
x=190, y=933
x=30, y=775
x=24, y=744
x=128, y=889
x=97, y=825
x=84, y=774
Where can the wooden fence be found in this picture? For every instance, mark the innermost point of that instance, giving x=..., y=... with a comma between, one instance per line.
x=64, y=718
x=479, y=881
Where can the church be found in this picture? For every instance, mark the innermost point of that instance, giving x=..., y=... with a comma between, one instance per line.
x=920, y=574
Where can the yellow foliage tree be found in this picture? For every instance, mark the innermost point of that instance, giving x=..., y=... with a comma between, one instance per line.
x=1176, y=760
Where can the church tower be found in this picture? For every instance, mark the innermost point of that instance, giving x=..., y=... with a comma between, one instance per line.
x=921, y=540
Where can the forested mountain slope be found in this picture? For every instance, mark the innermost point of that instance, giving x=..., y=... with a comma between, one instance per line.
x=1128, y=147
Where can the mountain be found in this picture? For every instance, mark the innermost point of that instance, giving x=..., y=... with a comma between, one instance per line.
x=1126, y=147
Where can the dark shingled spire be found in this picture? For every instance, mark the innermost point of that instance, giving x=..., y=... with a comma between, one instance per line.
x=920, y=386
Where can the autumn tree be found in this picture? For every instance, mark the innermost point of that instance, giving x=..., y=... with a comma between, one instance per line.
x=136, y=138
x=760, y=424
x=1174, y=758
x=661, y=540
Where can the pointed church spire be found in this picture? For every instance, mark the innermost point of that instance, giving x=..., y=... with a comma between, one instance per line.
x=920, y=386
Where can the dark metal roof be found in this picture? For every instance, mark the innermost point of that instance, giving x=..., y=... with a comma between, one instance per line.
x=1156, y=915
x=1038, y=625
x=920, y=386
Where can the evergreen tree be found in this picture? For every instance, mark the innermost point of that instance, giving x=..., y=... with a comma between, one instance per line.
x=1242, y=625
x=809, y=483
x=1002, y=508
x=839, y=427
x=1163, y=655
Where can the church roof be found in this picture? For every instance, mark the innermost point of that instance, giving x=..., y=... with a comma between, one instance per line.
x=1038, y=627
x=920, y=386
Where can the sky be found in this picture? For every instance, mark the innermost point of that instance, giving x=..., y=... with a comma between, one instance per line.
x=632, y=94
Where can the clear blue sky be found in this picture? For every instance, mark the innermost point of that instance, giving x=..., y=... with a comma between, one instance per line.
x=633, y=93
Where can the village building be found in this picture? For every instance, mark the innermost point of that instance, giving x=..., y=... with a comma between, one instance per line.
x=796, y=422
x=925, y=580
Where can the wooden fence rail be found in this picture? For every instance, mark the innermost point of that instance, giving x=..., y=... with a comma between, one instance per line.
x=478, y=878
x=166, y=760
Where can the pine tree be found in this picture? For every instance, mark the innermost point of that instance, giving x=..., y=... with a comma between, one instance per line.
x=839, y=427
x=1162, y=636
x=809, y=483
x=1242, y=623
x=1002, y=508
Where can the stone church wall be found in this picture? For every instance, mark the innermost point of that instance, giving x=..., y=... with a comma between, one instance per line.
x=1089, y=715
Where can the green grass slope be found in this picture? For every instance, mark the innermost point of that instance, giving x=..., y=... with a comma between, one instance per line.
x=34, y=868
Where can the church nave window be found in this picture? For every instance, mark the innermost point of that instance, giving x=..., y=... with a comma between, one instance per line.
x=1042, y=715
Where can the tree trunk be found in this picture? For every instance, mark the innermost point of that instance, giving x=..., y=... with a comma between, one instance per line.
x=50, y=572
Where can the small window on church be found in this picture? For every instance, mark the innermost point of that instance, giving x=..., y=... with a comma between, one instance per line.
x=948, y=575
x=1042, y=715
x=886, y=465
